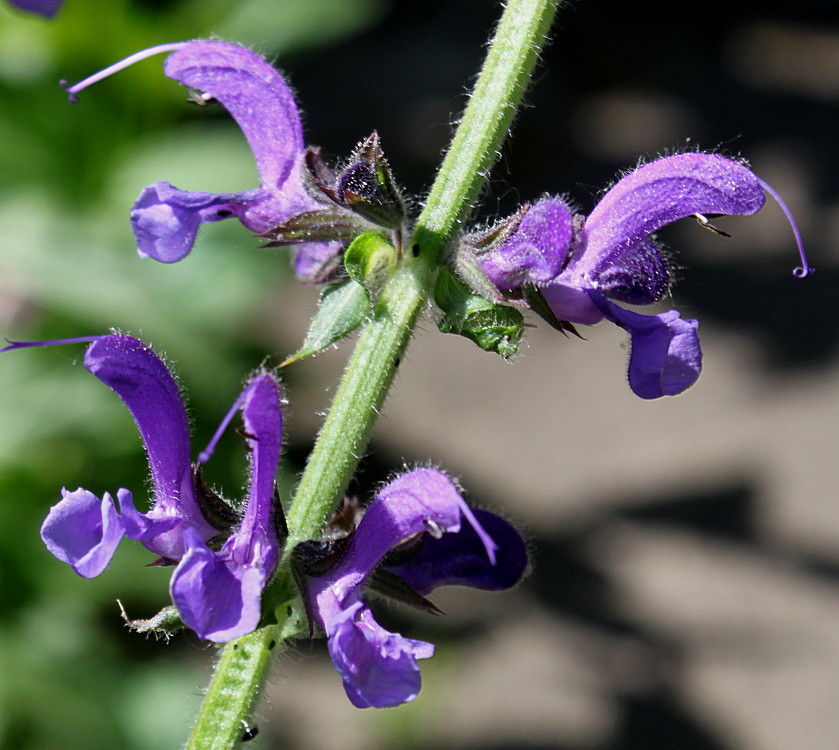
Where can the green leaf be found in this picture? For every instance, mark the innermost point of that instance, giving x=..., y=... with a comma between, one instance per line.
x=343, y=307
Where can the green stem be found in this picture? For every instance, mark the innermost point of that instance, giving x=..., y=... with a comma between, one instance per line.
x=240, y=672
x=372, y=366
x=512, y=55
x=232, y=691
x=363, y=388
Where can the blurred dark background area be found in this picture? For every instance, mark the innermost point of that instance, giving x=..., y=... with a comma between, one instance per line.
x=684, y=585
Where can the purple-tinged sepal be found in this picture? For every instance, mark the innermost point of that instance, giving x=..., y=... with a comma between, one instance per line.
x=365, y=186
x=531, y=247
x=400, y=536
x=319, y=225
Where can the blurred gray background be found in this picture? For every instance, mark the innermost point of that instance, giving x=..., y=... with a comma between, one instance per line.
x=685, y=551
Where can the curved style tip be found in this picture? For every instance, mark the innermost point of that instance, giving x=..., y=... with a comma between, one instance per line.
x=12, y=345
x=805, y=269
x=71, y=97
x=116, y=67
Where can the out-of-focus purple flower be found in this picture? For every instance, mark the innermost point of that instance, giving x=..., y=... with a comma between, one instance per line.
x=165, y=219
x=612, y=256
x=217, y=591
x=411, y=540
x=46, y=8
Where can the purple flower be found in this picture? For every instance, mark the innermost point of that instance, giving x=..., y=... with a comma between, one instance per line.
x=165, y=219
x=411, y=540
x=217, y=591
x=46, y=8
x=580, y=269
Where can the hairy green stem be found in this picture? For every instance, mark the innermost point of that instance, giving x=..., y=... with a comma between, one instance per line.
x=223, y=719
x=512, y=55
x=235, y=686
x=363, y=388
x=370, y=371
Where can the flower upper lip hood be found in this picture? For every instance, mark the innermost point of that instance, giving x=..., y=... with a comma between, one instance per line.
x=217, y=591
x=145, y=385
x=616, y=253
x=166, y=220
x=612, y=255
x=424, y=510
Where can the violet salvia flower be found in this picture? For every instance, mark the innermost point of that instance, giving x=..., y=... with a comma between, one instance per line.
x=217, y=592
x=581, y=268
x=411, y=540
x=165, y=219
x=46, y=8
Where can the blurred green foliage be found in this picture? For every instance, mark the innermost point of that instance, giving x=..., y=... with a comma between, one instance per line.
x=70, y=675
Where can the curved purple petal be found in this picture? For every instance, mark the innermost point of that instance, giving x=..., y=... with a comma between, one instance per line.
x=256, y=543
x=139, y=377
x=536, y=251
x=254, y=93
x=379, y=668
x=666, y=358
x=218, y=594
x=652, y=196
x=218, y=601
x=421, y=500
x=461, y=558
x=83, y=531
x=165, y=220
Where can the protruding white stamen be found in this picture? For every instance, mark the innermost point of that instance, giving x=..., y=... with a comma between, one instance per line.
x=805, y=269
x=705, y=224
x=116, y=67
x=434, y=528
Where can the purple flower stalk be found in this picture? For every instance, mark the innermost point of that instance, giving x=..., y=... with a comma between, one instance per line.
x=411, y=540
x=217, y=591
x=45, y=8
x=582, y=267
x=165, y=219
